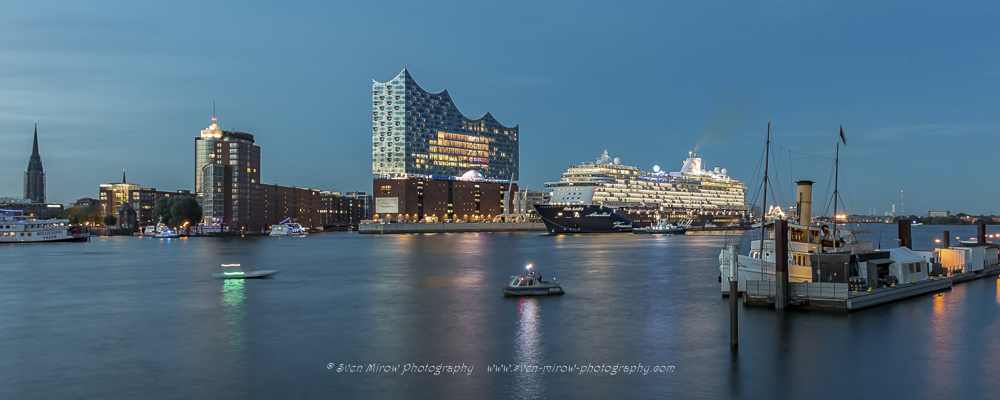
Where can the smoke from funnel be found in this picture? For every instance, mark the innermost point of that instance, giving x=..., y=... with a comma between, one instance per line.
x=729, y=112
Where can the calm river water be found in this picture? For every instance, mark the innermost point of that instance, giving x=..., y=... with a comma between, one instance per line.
x=123, y=318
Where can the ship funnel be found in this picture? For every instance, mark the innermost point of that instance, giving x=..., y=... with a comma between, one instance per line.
x=804, y=202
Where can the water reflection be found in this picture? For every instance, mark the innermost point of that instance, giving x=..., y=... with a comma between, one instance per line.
x=234, y=313
x=942, y=377
x=528, y=350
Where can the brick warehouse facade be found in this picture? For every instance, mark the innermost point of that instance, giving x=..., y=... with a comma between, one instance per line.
x=227, y=185
x=438, y=200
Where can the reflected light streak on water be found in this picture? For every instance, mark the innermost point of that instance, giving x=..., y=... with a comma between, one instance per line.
x=945, y=318
x=234, y=316
x=528, y=350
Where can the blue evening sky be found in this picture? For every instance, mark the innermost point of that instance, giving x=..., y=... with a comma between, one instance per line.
x=126, y=84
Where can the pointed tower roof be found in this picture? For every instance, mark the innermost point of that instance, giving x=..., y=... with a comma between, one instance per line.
x=34, y=149
x=34, y=177
x=123, y=176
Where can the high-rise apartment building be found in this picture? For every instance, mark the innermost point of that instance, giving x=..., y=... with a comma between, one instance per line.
x=227, y=183
x=34, y=177
x=227, y=164
x=415, y=132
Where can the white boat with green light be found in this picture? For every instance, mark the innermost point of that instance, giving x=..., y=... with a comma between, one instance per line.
x=234, y=271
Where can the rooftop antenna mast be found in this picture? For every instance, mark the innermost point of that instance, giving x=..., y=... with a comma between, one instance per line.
x=213, y=111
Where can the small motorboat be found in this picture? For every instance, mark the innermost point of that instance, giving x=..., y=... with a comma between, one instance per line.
x=664, y=227
x=234, y=271
x=169, y=234
x=286, y=228
x=162, y=231
x=531, y=284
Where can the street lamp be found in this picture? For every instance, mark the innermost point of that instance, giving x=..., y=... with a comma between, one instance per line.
x=939, y=251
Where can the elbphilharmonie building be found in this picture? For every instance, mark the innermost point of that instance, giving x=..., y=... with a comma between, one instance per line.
x=418, y=133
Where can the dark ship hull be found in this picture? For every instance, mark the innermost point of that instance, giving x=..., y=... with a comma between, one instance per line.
x=601, y=219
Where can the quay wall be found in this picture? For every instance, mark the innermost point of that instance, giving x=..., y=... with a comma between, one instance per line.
x=450, y=228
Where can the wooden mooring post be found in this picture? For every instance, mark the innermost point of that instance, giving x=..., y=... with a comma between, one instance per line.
x=734, y=297
x=781, y=264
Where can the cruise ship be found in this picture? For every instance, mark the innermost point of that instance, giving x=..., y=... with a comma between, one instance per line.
x=606, y=196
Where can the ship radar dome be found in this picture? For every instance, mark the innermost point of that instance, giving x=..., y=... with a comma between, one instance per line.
x=656, y=168
x=618, y=161
x=725, y=172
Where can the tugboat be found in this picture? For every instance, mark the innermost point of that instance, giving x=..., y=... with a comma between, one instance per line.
x=531, y=284
x=233, y=271
x=664, y=227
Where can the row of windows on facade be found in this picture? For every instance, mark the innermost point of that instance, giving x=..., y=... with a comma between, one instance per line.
x=32, y=226
x=410, y=93
x=436, y=113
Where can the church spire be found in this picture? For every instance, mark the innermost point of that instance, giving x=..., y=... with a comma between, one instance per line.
x=34, y=177
x=34, y=150
x=123, y=176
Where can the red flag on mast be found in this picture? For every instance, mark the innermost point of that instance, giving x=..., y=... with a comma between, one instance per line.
x=842, y=135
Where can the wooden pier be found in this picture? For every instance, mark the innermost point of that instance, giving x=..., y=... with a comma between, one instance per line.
x=837, y=297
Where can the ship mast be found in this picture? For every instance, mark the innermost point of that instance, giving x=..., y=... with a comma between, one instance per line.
x=763, y=209
x=836, y=194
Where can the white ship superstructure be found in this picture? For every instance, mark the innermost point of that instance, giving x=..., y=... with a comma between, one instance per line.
x=709, y=197
x=608, y=183
x=20, y=229
x=580, y=183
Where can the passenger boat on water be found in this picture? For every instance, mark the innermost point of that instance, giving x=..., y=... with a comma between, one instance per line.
x=16, y=228
x=287, y=228
x=531, y=284
x=234, y=271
